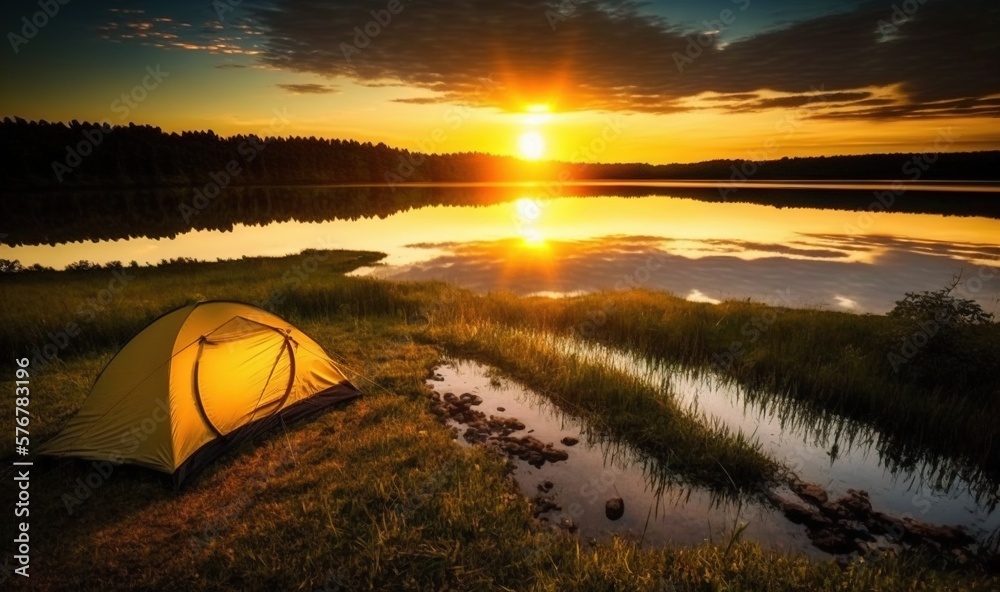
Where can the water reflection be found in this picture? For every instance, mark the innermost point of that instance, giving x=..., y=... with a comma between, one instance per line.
x=91, y=215
x=866, y=274
x=660, y=508
x=838, y=259
x=902, y=477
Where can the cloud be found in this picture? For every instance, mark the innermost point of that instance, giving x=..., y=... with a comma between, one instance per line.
x=613, y=56
x=418, y=100
x=308, y=88
x=230, y=66
x=179, y=31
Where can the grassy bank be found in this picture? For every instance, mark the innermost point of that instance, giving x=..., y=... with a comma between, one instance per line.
x=374, y=495
x=616, y=403
x=943, y=402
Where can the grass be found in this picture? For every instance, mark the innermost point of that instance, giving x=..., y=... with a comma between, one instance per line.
x=833, y=362
x=373, y=495
x=617, y=404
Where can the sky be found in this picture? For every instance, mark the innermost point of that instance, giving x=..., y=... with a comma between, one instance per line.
x=581, y=80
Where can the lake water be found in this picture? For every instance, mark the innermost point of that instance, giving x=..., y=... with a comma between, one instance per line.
x=521, y=241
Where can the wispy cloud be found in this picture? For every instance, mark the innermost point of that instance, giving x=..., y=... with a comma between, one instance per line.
x=308, y=88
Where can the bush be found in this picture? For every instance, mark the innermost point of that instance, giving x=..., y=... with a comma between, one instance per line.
x=8, y=266
x=943, y=341
x=942, y=307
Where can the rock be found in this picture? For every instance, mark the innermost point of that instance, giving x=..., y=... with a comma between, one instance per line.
x=543, y=504
x=470, y=399
x=614, y=508
x=568, y=524
x=569, y=441
x=501, y=409
x=804, y=514
x=892, y=527
x=505, y=425
x=473, y=436
x=810, y=492
x=945, y=535
x=532, y=442
x=853, y=506
x=548, y=485
x=857, y=530
x=553, y=454
x=832, y=541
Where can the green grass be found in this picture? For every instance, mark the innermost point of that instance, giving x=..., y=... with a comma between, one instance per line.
x=374, y=495
x=617, y=404
x=833, y=362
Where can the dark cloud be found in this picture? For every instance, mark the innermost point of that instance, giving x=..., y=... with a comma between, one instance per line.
x=803, y=100
x=308, y=88
x=230, y=66
x=616, y=57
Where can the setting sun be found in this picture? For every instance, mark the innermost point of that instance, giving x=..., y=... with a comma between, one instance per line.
x=532, y=145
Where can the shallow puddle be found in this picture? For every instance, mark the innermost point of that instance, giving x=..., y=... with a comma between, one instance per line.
x=597, y=471
x=657, y=512
x=831, y=451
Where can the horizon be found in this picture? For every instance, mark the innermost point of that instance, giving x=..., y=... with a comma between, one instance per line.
x=540, y=161
x=570, y=81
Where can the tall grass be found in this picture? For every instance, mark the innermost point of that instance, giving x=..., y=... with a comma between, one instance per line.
x=616, y=403
x=834, y=362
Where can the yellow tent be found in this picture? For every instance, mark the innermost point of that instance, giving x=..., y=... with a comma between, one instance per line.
x=197, y=381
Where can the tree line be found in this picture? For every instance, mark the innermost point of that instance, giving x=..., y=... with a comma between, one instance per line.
x=40, y=154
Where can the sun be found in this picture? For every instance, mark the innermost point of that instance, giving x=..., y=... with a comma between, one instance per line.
x=532, y=145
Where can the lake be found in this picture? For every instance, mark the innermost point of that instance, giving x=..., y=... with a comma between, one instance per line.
x=683, y=238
